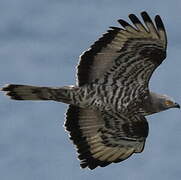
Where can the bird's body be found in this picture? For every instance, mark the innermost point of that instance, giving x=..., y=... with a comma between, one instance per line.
x=106, y=117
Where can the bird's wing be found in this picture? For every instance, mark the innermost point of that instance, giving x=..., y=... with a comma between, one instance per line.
x=125, y=56
x=104, y=138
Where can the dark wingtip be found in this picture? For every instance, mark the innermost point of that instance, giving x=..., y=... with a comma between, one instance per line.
x=123, y=23
x=146, y=17
x=134, y=19
x=115, y=28
x=159, y=22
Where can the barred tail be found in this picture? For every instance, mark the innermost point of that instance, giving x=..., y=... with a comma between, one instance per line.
x=26, y=92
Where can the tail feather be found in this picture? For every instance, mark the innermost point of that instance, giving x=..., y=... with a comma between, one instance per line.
x=21, y=92
x=26, y=92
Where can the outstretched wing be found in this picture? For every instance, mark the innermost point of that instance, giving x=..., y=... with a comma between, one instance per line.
x=125, y=56
x=104, y=138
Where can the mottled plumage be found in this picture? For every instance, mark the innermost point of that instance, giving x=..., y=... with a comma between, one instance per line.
x=106, y=116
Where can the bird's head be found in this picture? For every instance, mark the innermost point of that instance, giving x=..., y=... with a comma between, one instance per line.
x=163, y=102
x=169, y=103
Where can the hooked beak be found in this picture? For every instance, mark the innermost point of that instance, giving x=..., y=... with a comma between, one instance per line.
x=177, y=105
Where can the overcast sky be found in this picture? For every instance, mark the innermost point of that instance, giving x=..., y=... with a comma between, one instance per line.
x=40, y=42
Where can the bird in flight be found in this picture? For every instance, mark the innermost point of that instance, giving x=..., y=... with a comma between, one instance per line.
x=107, y=106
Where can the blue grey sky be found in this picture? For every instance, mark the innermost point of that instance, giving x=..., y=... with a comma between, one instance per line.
x=40, y=42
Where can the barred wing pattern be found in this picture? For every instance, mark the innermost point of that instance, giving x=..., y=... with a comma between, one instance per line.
x=103, y=138
x=122, y=57
x=125, y=56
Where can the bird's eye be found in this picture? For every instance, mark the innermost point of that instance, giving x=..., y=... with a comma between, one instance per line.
x=168, y=102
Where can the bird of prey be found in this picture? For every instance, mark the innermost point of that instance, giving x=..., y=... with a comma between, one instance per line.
x=107, y=106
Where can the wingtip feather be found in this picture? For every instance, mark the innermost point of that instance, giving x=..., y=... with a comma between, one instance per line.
x=145, y=16
x=123, y=23
x=134, y=19
x=159, y=23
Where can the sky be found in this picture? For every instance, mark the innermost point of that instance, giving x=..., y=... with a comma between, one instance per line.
x=40, y=43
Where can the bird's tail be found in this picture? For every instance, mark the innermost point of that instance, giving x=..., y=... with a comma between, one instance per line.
x=26, y=92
